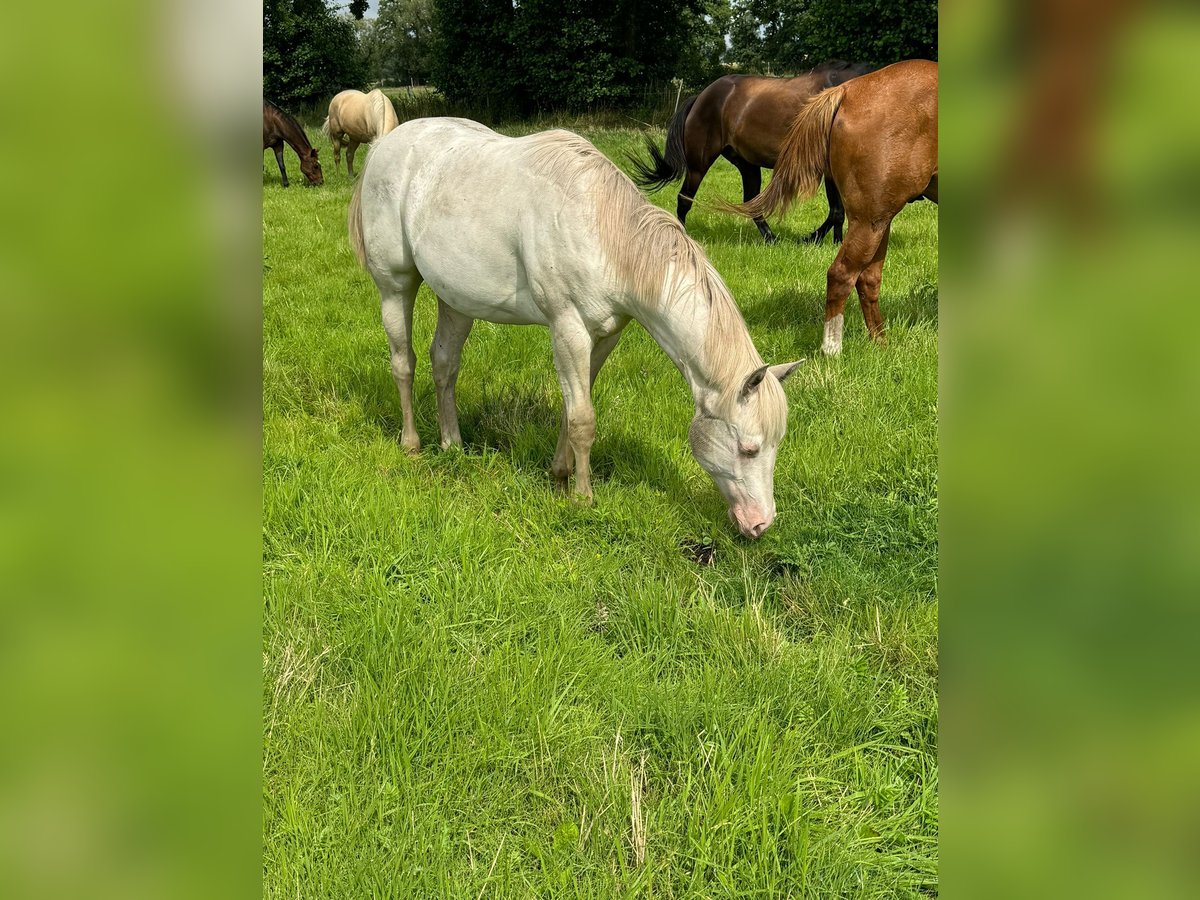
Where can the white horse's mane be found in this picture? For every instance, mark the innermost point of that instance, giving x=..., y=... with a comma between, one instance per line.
x=659, y=263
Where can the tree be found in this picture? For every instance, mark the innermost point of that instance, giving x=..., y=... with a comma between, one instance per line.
x=794, y=35
x=569, y=54
x=402, y=41
x=309, y=51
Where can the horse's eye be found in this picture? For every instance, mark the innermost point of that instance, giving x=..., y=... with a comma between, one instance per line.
x=748, y=449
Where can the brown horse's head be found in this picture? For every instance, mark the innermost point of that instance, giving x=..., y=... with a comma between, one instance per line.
x=311, y=166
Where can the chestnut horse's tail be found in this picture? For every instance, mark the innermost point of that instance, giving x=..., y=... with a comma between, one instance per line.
x=803, y=157
x=354, y=216
x=664, y=168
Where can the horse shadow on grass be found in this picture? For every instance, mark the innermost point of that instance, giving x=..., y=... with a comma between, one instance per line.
x=522, y=423
x=805, y=308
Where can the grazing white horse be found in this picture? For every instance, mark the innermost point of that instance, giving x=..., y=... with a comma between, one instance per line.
x=544, y=230
x=357, y=118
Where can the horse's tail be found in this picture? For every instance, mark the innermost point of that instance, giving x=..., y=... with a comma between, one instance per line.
x=354, y=215
x=803, y=157
x=664, y=168
x=384, y=113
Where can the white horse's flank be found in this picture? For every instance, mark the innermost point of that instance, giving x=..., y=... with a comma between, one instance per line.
x=545, y=230
x=357, y=118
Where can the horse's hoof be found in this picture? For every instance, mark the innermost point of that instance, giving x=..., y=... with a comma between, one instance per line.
x=411, y=446
x=770, y=239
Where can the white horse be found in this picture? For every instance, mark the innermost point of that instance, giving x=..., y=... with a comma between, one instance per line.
x=357, y=118
x=545, y=230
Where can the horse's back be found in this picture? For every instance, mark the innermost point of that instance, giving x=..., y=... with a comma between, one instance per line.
x=495, y=225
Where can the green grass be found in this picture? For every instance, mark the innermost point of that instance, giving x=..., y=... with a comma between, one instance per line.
x=476, y=688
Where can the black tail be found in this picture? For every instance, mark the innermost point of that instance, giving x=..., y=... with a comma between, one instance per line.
x=671, y=166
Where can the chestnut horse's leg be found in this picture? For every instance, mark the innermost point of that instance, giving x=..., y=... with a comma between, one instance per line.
x=350, y=151
x=857, y=253
x=751, y=187
x=279, y=159
x=445, y=353
x=835, y=219
x=868, y=289
x=397, y=308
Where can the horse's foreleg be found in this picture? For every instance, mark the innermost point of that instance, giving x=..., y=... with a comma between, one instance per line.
x=868, y=289
x=834, y=220
x=751, y=187
x=855, y=255
x=282, y=170
x=397, y=306
x=445, y=354
x=351, y=148
x=564, y=458
x=573, y=348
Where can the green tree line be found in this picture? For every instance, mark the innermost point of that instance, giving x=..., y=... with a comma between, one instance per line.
x=523, y=56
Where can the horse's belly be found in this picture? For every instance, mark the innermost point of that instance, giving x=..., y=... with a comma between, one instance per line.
x=516, y=308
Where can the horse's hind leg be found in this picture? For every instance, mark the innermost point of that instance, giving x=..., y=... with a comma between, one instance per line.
x=279, y=159
x=868, y=289
x=856, y=254
x=834, y=220
x=397, y=298
x=350, y=151
x=337, y=149
x=445, y=354
x=564, y=459
x=751, y=187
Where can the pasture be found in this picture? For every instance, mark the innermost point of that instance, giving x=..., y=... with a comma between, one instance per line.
x=476, y=687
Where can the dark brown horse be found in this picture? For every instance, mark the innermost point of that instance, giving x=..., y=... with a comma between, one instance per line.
x=278, y=127
x=743, y=118
x=876, y=139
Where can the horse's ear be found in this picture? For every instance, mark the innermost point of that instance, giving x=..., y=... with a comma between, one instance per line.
x=753, y=380
x=313, y=152
x=783, y=370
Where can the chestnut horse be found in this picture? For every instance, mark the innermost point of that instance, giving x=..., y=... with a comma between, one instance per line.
x=876, y=138
x=279, y=127
x=743, y=118
x=357, y=118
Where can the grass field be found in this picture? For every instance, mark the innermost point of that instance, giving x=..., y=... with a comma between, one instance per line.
x=477, y=688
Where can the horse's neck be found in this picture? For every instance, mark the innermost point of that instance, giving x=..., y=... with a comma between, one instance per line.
x=682, y=330
x=294, y=134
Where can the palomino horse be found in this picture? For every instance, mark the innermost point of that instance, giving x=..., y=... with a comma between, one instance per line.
x=565, y=240
x=278, y=127
x=743, y=118
x=877, y=138
x=357, y=118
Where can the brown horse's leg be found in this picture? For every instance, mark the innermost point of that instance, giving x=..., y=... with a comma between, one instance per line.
x=279, y=159
x=868, y=289
x=350, y=151
x=834, y=220
x=856, y=254
x=751, y=187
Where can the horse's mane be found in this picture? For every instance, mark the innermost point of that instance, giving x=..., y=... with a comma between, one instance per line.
x=288, y=118
x=658, y=262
